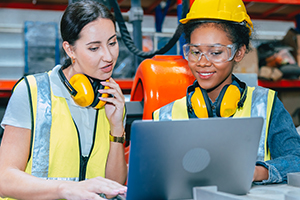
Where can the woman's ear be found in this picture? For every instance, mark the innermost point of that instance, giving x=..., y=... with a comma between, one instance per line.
x=68, y=49
x=240, y=53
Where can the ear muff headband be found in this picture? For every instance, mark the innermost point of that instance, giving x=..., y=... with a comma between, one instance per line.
x=84, y=91
x=65, y=81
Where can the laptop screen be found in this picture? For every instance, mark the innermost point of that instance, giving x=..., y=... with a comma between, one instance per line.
x=168, y=158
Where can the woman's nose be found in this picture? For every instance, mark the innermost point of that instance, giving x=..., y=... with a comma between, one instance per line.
x=203, y=60
x=107, y=55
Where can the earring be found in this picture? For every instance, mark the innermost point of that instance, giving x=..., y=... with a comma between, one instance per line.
x=73, y=60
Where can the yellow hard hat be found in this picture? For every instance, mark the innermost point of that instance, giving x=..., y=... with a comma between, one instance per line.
x=230, y=10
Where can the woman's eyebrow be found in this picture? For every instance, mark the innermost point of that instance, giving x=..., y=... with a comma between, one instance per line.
x=99, y=42
x=115, y=35
x=94, y=42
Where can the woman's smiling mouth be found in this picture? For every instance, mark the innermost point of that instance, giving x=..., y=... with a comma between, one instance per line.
x=205, y=75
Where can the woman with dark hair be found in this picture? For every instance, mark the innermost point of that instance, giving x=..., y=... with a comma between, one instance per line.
x=64, y=129
x=218, y=34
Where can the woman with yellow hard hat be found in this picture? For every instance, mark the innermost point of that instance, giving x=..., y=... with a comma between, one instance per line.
x=218, y=36
x=64, y=129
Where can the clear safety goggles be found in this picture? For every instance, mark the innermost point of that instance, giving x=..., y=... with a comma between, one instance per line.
x=215, y=53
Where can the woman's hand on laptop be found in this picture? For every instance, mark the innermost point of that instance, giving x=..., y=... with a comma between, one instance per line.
x=90, y=189
x=260, y=173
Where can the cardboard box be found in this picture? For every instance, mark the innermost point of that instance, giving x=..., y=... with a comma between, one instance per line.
x=249, y=64
x=292, y=39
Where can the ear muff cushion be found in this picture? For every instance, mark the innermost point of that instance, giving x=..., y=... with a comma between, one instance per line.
x=85, y=93
x=228, y=101
x=96, y=86
x=200, y=103
x=102, y=103
x=97, y=103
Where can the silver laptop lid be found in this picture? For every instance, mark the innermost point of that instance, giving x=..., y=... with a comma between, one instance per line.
x=168, y=158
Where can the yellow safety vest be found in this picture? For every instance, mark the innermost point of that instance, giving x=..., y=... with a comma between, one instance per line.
x=55, y=152
x=258, y=103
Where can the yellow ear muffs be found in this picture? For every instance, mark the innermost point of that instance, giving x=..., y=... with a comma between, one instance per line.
x=229, y=98
x=200, y=103
x=85, y=92
x=84, y=89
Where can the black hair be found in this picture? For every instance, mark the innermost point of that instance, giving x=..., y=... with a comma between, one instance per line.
x=238, y=33
x=79, y=14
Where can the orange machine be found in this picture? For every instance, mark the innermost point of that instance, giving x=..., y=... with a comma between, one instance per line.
x=159, y=81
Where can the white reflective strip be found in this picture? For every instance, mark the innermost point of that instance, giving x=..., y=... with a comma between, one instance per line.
x=63, y=179
x=40, y=155
x=259, y=109
x=165, y=113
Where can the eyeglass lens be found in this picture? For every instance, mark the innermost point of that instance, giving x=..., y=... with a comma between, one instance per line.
x=215, y=53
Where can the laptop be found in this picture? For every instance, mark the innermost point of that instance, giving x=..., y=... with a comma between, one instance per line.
x=168, y=158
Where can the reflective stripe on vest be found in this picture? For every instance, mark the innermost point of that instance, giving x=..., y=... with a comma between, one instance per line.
x=166, y=112
x=259, y=102
x=40, y=153
x=259, y=108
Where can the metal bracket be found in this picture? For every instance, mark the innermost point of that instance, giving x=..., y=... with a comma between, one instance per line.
x=211, y=192
x=136, y=14
x=294, y=179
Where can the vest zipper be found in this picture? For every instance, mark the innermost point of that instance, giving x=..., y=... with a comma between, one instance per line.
x=84, y=159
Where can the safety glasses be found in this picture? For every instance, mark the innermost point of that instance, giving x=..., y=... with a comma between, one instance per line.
x=215, y=53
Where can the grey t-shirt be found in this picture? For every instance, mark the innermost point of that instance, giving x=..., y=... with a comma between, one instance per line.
x=18, y=110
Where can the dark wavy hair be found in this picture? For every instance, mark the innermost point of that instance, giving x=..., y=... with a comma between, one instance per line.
x=79, y=14
x=238, y=33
